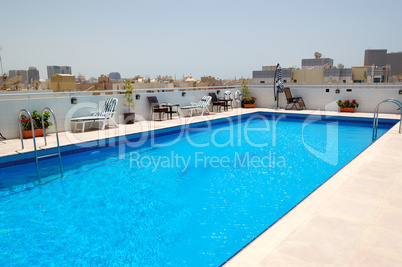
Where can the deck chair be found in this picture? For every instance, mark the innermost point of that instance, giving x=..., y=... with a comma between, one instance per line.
x=157, y=107
x=294, y=101
x=202, y=106
x=103, y=117
x=216, y=102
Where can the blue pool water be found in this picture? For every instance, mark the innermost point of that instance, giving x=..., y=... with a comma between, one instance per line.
x=193, y=197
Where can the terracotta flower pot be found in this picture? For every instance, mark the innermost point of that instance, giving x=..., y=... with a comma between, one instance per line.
x=28, y=133
x=249, y=105
x=352, y=110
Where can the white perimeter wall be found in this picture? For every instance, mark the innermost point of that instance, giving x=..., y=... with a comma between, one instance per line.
x=318, y=98
x=315, y=98
x=64, y=110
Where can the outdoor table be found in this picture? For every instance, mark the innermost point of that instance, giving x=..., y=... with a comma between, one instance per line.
x=170, y=106
x=226, y=105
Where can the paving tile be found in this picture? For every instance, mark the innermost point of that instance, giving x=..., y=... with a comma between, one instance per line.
x=396, y=187
x=378, y=169
x=393, y=200
x=389, y=218
x=359, y=192
x=349, y=209
x=383, y=242
x=276, y=259
x=322, y=240
x=363, y=257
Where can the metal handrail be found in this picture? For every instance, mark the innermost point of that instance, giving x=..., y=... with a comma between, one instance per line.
x=376, y=110
x=44, y=135
x=57, y=136
x=33, y=135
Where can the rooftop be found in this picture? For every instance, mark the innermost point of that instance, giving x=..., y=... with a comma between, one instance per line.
x=352, y=219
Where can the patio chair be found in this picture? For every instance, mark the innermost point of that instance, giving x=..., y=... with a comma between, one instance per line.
x=294, y=101
x=216, y=102
x=157, y=107
x=104, y=116
x=202, y=106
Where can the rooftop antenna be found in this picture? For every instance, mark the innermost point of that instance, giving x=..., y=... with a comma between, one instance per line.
x=278, y=84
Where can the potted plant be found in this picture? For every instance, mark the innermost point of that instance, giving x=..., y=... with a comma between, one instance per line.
x=245, y=91
x=37, y=123
x=249, y=102
x=347, y=105
x=130, y=103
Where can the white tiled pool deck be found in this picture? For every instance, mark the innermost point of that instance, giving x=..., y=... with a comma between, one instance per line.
x=354, y=219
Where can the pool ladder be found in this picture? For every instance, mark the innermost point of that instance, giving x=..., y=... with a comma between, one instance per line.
x=377, y=108
x=44, y=135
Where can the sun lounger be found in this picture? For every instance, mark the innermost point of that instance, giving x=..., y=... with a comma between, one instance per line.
x=202, y=106
x=104, y=117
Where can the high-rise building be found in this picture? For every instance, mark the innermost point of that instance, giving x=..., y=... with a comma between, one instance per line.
x=376, y=57
x=380, y=58
x=24, y=73
x=395, y=60
x=33, y=74
x=115, y=76
x=52, y=70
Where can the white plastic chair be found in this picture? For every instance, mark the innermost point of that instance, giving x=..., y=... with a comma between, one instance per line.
x=202, y=106
x=104, y=116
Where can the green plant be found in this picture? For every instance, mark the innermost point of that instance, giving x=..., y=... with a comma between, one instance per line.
x=244, y=88
x=36, y=119
x=249, y=100
x=348, y=103
x=129, y=96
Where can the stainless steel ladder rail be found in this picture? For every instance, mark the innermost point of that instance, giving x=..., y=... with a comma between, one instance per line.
x=44, y=135
x=33, y=135
x=57, y=138
x=376, y=110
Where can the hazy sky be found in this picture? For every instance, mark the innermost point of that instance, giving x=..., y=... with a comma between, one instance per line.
x=218, y=38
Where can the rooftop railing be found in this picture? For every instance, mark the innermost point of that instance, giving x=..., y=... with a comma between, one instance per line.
x=33, y=94
x=36, y=94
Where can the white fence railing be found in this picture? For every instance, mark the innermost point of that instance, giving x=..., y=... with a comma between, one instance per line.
x=31, y=94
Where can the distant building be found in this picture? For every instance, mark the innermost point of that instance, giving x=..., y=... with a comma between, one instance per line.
x=340, y=75
x=33, y=74
x=80, y=78
x=209, y=81
x=24, y=73
x=380, y=58
x=103, y=83
x=115, y=76
x=321, y=70
x=267, y=74
x=376, y=57
x=52, y=70
x=317, y=63
x=62, y=82
x=395, y=61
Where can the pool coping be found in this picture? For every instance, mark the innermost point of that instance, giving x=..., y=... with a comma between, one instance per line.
x=115, y=139
x=352, y=219
x=281, y=244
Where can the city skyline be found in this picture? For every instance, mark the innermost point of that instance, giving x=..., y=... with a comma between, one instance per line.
x=225, y=39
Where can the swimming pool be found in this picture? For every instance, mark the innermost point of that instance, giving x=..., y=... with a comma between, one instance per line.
x=193, y=195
